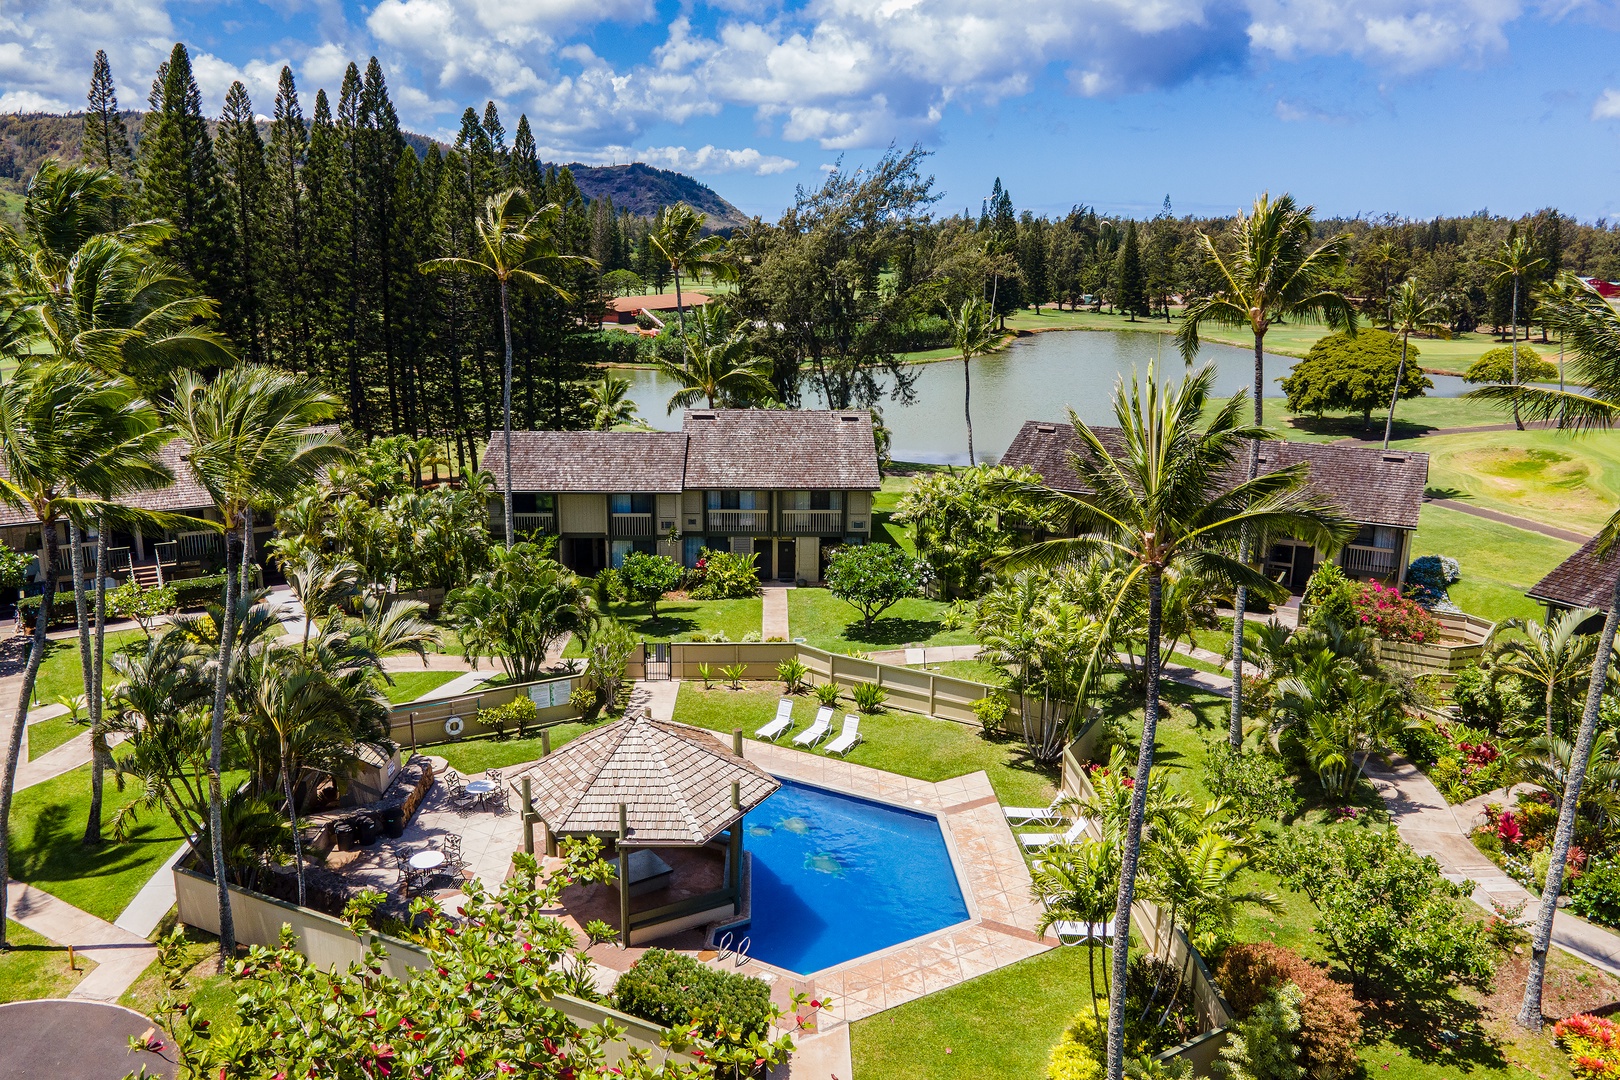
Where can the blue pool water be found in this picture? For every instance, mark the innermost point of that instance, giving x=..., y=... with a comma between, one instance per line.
x=836, y=877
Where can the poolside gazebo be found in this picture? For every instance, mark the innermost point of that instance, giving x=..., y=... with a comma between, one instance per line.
x=646, y=785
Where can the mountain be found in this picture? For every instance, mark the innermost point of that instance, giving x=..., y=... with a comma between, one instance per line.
x=26, y=139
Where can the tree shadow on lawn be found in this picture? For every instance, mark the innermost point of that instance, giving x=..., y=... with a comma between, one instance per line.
x=1351, y=427
x=55, y=853
x=1019, y=758
x=1435, y=1031
x=892, y=631
x=668, y=623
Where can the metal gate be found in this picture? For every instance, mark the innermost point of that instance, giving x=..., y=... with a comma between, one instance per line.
x=658, y=662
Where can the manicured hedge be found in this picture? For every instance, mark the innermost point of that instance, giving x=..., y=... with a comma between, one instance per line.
x=674, y=990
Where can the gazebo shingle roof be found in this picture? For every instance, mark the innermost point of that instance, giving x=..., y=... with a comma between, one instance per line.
x=1579, y=581
x=674, y=780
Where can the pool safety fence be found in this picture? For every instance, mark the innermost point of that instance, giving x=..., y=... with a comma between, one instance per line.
x=328, y=942
x=1210, y=1009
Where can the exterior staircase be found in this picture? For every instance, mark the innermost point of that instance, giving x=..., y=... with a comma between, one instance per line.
x=146, y=575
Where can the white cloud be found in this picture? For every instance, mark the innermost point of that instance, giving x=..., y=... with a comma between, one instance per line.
x=1607, y=106
x=705, y=160
x=1405, y=35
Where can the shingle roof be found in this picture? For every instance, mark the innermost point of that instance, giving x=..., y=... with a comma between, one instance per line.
x=590, y=461
x=656, y=301
x=1580, y=580
x=1370, y=485
x=780, y=448
x=674, y=780
x=186, y=493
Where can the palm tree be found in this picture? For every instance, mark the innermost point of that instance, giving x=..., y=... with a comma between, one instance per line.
x=1162, y=494
x=320, y=583
x=516, y=246
x=1272, y=274
x=677, y=236
x=64, y=430
x=609, y=403
x=1552, y=657
x=1411, y=311
x=973, y=333
x=251, y=446
x=718, y=367
x=1516, y=259
x=1079, y=883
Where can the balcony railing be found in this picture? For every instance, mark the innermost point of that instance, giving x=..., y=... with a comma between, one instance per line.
x=813, y=521
x=740, y=521
x=630, y=525
x=197, y=547
x=1360, y=559
x=544, y=523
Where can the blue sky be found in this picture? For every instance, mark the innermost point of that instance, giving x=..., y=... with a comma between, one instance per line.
x=1415, y=107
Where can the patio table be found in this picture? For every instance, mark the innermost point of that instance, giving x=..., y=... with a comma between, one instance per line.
x=481, y=789
x=427, y=860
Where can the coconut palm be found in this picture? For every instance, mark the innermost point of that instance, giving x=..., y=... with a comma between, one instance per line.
x=1553, y=657
x=1162, y=494
x=972, y=333
x=1273, y=273
x=251, y=446
x=523, y=605
x=717, y=367
x=516, y=246
x=1516, y=259
x=160, y=706
x=1411, y=311
x=64, y=430
x=677, y=236
x=609, y=403
x=1079, y=883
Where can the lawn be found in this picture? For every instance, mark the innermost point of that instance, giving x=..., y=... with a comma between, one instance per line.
x=1498, y=562
x=473, y=756
x=1550, y=476
x=680, y=620
x=827, y=622
x=36, y=967
x=897, y=742
x=207, y=992
x=1413, y=419
x=410, y=685
x=61, y=676
x=46, y=735
x=47, y=821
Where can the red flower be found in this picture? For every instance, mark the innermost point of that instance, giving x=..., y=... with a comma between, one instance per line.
x=1507, y=828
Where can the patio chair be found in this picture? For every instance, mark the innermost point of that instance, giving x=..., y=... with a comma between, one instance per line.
x=848, y=737
x=1037, y=841
x=450, y=844
x=1078, y=933
x=1035, y=815
x=411, y=879
x=780, y=725
x=458, y=796
x=819, y=729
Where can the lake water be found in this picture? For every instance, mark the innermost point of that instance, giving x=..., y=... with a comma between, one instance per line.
x=1037, y=378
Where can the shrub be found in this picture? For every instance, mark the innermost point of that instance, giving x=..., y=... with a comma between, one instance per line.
x=1430, y=577
x=873, y=578
x=869, y=697
x=991, y=712
x=1329, y=1015
x=518, y=713
x=1496, y=366
x=1422, y=745
x=675, y=990
x=793, y=673
x=827, y=694
x=706, y=673
x=145, y=606
x=62, y=611
x=1261, y=1047
x=198, y=591
x=720, y=575
x=1590, y=1043
x=584, y=700
x=734, y=675
x=13, y=567
x=1392, y=616
x=646, y=578
x=1595, y=894
x=1256, y=783
x=1328, y=597
x=1080, y=1050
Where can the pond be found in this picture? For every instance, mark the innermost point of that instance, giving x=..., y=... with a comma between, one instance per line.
x=1035, y=379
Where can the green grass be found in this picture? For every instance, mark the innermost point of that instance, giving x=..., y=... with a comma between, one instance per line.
x=898, y=742
x=1498, y=562
x=209, y=994
x=827, y=622
x=486, y=752
x=998, y=1025
x=1414, y=418
x=47, y=735
x=978, y=671
x=410, y=685
x=61, y=676
x=36, y=967
x=47, y=821
x=679, y=620
x=1550, y=476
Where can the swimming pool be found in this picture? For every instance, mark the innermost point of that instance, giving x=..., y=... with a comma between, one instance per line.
x=836, y=877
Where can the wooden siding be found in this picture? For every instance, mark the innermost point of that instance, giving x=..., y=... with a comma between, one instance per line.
x=582, y=514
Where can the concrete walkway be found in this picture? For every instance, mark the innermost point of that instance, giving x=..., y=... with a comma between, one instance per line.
x=120, y=955
x=154, y=900
x=774, y=622
x=1430, y=827
x=1510, y=519
x=461, y=684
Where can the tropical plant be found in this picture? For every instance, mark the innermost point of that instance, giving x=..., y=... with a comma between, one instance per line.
x=677, y=236
x=1164, y=496
x=144, y=606
x=609, y=403
x=646, y=578
x=1256, y=785
x=1261, y=1046
x=1329, y=1015
x=1496, y=366
x=960, y=525
x=827, y=693
x=1339, y=717
x=1516, y=259
x=320, y=583
x=868, y=697
x=724, y=575
x=972, y=330
x=793, y=674
x=716, y=365
x=1411, y=311
x=706, y=673
x=1354, y=373
x=734, y=674
x=515, y=246
x=1079, y=883
x=607, y=650
x=1273, y=273
x=1556, y=658
x=872, y=578
x=519, y=609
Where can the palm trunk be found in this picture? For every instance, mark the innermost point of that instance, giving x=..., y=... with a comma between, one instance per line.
x=292, y=820
x=506, y=412
x=76, y=565
x=680, y=309
x=1549, y=710
x=1131, y=853
x=216, y=755
x=1540, y=939
x=1514, y=329
x=1400, y=373
x=100, y=755
x=19, y=722
x=967, y=404
x=1240, y=598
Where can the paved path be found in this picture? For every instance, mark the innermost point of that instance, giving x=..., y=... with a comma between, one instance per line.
x=120, y=956
x=1509, y=519
x=461, y=684
x=774, y=623
x=1431, y=827
x=154, y=900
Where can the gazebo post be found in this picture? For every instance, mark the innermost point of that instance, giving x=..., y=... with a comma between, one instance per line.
x=735, y=884
x=624, y=878
x=736, y=745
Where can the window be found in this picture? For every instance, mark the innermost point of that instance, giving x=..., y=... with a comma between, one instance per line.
x=690, y=546
x=732, y=500
x=1378, y=536
x=632, y=504
x=812, y=500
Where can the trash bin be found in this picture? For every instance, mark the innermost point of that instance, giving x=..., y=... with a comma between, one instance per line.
x=393, y=822
x=366, y=830
x=343, y=835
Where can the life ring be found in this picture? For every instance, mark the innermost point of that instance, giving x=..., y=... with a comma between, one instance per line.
x=454, y=726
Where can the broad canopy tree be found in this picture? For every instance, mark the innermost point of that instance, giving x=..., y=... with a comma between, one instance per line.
x=1342, y=373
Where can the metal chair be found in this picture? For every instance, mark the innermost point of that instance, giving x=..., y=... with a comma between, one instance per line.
x=457, y=788
x=450, y=844
x=411, y=879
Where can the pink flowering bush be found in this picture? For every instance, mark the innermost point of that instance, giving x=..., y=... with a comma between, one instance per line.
x=1392, y=616
x=1590, y=1043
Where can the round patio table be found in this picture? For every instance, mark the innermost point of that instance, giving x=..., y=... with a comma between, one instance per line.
x=481, y=789
x=427, y=860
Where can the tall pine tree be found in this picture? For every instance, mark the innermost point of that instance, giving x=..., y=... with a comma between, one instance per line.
x=286, y=226
x=242, y=169
x=1129, y=281
x=106, y=140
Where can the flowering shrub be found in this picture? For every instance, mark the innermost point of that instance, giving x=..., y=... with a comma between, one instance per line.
x=1590, y=1043
x=1507, y=829
x=1392, y=616
x=1429, y=577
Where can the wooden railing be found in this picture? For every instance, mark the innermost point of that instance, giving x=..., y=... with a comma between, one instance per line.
x=740, y=521
x=630, y=525
x=1361, y=559
x=813, y=521
x=167, y=553
x=545, y=522
x=199, y=546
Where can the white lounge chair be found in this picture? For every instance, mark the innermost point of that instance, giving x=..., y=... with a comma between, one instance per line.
x=1036, y=841
x=819, y=728
x=780, y=724
x=1034, y=815
x=848, y=737
x=1078, y=933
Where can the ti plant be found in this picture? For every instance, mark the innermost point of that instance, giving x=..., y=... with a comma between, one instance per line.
x=734, y=675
